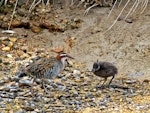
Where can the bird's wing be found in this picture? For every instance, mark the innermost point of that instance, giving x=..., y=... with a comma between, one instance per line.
x=110, y=68
x=40, y=67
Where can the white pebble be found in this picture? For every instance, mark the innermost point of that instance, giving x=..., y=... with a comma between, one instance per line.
x=8, y=31
x=76, y=72
x=9, y=55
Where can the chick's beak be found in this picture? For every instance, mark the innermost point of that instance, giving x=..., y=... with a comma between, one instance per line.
x=93, y=70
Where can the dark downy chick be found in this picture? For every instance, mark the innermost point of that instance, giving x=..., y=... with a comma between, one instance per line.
x=104, y=70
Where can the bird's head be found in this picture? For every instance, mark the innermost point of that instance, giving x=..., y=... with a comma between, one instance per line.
x=63, y=57
x=96, y=67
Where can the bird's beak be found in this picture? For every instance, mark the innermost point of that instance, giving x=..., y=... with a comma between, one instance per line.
x=70, y=56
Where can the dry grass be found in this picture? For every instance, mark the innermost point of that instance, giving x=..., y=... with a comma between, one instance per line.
x=137, y=6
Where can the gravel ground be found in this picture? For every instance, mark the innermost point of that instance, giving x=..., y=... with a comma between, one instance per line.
x=126, y=45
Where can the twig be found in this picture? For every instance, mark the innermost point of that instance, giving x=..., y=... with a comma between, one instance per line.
x=47, y=3
x=120, y=3
x=145, y=5
x=5, y=2
x=13, y=14
x=135, y=6
x=37, y=4
x=130, y=10
x=1, y=2
x=80, y=2
x=112, y=8
x=118, y=16
x=87, y=10
x=31, y=7
x=105, y=2
x=42, y=2
x=72, y=2
x=8, y=31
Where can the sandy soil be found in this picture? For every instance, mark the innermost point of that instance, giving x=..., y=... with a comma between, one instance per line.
x=127, y=45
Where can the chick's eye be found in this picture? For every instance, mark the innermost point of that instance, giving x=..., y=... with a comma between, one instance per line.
x=95, y=66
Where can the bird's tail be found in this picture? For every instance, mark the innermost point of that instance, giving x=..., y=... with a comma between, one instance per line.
x=20, y=74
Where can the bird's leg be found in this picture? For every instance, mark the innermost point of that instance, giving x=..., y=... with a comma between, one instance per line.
x=43, y=85
x=111, y=81
x=31, y=89
x=104, y=82
x=87, y=10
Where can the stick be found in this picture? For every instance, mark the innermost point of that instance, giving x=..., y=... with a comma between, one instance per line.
x=120, y=3
x=135, y=6
x=112, y=8
x=130, y=10
x=37, y=4
x=13, y=14
x=32, y=6
x=118, y=16
x=87, y=10
x=145, y=5
x=47, y=3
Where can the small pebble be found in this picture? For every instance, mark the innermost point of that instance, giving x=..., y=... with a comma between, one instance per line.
x=1, y=60
x=9, y=55
x=21, y=111
x=75, y=94
x=76, y=72
x=6, y=63
x=7, y=49
x=61, y=88
x=25, y=82
x=71, y=103
x=33, y=112
x=18, y=59
x=89, y=95
x=1, y=68
x=130, y=81
x=129, y=20
x=2, y=82
x=12, y=95
x=7, y=79
x=16, y=79
x=102, y=104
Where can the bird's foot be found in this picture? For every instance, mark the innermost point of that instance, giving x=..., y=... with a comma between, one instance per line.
x=100, y=87
x=46, y=89
x=108, y=86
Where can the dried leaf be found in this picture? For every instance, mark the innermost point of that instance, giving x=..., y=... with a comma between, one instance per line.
x=6, y=49
x=70, y=41
x=12, y=39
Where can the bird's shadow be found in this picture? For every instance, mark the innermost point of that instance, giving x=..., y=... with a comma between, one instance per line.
x=113, y=86
x=119, y=87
